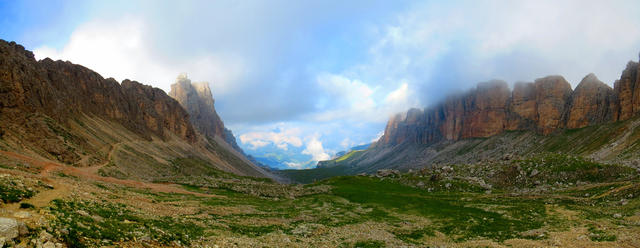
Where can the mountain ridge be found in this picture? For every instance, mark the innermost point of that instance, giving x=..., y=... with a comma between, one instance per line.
x=491, y=121
x=65, y=112
x=544, y=106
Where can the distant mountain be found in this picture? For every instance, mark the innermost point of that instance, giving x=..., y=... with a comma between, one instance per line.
x=343, y=154
x=279, y=159
x=491, y=121
x=65, y=112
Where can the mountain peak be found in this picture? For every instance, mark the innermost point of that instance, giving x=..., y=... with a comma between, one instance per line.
x=197, y=99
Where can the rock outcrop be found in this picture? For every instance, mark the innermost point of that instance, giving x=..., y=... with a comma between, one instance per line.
x=591, y=103
x=68, y=113
x=198, y=100
x=553, y=94
x=544, y=106
x=62, y=91
x=485, y=110
x=627, y=92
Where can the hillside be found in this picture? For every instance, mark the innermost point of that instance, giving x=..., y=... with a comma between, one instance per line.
x=63, y=112
x=548, y=200
x=492, y=122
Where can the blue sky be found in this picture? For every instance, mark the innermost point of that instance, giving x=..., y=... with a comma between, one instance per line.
x=312, y=78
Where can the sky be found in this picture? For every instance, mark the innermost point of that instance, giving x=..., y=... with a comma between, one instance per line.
x=298, y=81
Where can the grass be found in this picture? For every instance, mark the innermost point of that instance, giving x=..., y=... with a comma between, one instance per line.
x=414, y=236
x=452, y=216
x=10, y=192
x=600, y=235
x=369, y=244
x=571, y=169
x=348, y=155
x=90, y=222
x=315, y=174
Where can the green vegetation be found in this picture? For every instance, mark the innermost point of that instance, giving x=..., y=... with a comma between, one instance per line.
x=369, y=244
x=9, y=194
x=452, y=216
x=26, y=205
x=313, y=175
x=89, y=222
x=348, y=155
x=414, y=236
x=600, y=235
x=12, y=189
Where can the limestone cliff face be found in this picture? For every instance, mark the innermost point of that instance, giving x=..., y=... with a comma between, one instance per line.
x=591, y=103
x=553, y=94
x=627, y=90
x=485, y=110
x=62, y=90
x=522, y=109
x=544, y=106
x=198, y=100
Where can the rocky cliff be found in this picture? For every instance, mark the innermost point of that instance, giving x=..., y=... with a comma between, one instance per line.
x=198, y=100
x=544, y=106
x=62, y=91
x=62, y=111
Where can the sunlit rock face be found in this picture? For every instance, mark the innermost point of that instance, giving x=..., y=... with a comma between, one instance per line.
x=64, y=91
x=544, y=106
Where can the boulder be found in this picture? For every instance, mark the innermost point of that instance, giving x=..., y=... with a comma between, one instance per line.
x=8, y=228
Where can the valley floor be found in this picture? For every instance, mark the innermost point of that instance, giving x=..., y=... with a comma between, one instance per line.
x=64, y=206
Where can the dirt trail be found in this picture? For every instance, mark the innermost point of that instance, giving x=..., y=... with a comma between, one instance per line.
x=47, y=167
x=95, y=169
x=621, y=188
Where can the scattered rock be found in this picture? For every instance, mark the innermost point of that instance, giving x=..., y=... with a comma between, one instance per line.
x=22, y=214
x=23, y=230
x=8, y=228
x=97, y=218
x=534, y=233
x=49, y=244
x=387, y=173
x=45, y=236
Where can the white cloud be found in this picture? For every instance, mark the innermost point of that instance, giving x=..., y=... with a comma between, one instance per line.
x=281, y=139
x=294, y=165
x=346, y=143
x=520, y=40
x=122, y=49
x=315, y=149
x=356, y=101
